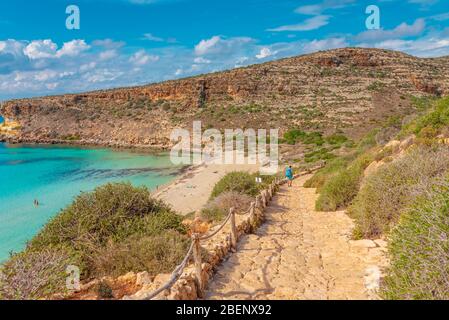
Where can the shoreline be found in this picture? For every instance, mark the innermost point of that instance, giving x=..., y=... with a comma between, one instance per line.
x=191, y=181
x=85, y=143
x=191, y=191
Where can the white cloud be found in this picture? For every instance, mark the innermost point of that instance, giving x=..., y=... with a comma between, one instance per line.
x=424, y=47
x=325, y=44
x=40, y=49
x=201, y=60
x=264, y=53
x=402, y=30
x=141, y=58
x=109, y=43
x=205, y=46
x=72, y=48
x=45, y=49
x=108, y=54
x=424, y=2
x=222, y=47
x=307, y=25
x=316, y=9
x=45, y=75
x=102, y=75
x=88, y=66
x=151, y=37
x=440, y=17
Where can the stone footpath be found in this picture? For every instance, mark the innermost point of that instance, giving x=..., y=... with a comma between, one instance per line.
x=299, y=253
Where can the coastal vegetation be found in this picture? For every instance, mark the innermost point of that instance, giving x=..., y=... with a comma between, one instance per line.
x=241, y=182
x=398, y=190
x=237, y=190
x=419, y=248
x=394, y=186
x=115, y=229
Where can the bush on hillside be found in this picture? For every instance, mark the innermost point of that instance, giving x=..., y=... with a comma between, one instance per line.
x=419, y=249
x=340, y=189
x=238, y=181
x=326, y=173
x=394, y=186
x=317, y=155
x=336, y=139
x=337, y=166
x=436, y=118
x=111, y=212
x=294, y=136
x=116, y=228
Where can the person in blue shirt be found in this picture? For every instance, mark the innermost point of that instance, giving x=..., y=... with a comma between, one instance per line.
x=289, y=175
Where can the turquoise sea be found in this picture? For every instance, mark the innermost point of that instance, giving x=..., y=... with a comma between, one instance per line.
x=54, y=175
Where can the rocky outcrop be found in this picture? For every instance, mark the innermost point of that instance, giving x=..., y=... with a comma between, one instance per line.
x=349, y=89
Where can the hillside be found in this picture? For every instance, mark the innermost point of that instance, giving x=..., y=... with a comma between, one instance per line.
x=350, y=90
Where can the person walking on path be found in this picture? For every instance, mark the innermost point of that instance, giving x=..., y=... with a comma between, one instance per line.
x=289, y=175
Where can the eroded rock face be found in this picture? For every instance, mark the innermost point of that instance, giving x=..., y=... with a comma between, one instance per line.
x=349, y=89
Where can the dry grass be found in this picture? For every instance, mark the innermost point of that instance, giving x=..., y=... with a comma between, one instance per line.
x=388, y=191
x=218, y=208
x=33, y=275
x=419, y=249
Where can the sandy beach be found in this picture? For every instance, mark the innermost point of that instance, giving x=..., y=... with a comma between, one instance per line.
x=191, y=191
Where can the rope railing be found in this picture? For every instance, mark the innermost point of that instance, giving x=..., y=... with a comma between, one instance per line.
x=261, y=202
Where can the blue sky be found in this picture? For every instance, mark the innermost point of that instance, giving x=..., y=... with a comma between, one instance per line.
x=133, y=42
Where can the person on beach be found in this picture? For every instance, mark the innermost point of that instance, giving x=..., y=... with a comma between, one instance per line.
x=36, y=203
x=289, y=175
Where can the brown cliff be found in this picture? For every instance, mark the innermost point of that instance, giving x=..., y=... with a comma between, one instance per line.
x=346, y=89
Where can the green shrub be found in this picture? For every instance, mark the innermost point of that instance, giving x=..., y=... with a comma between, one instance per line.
x=317, y=155
x=116, y=228
x=111, y=212
x=341, y=188
x=336, y=166
x=336, y=139
x=436, y=117
x=419, y=249
x=326, y=173
x=294, y=136
x=238, y=181
x=394, y=186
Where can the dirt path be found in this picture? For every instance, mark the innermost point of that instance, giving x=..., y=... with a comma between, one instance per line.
x=299, y=253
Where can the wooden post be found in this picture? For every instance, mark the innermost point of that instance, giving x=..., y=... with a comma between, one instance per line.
x=257, y=208
x=251, y=210
x=264, y=199
x=253, y=219
x=198, y=264
x=257, y=202
x=233, y=229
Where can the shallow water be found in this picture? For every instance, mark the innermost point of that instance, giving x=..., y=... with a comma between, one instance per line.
x=54, y=175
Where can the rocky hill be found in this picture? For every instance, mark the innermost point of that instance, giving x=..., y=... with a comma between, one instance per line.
x=349, y=90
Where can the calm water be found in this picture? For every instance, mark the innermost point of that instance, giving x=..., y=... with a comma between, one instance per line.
x=55, y=175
